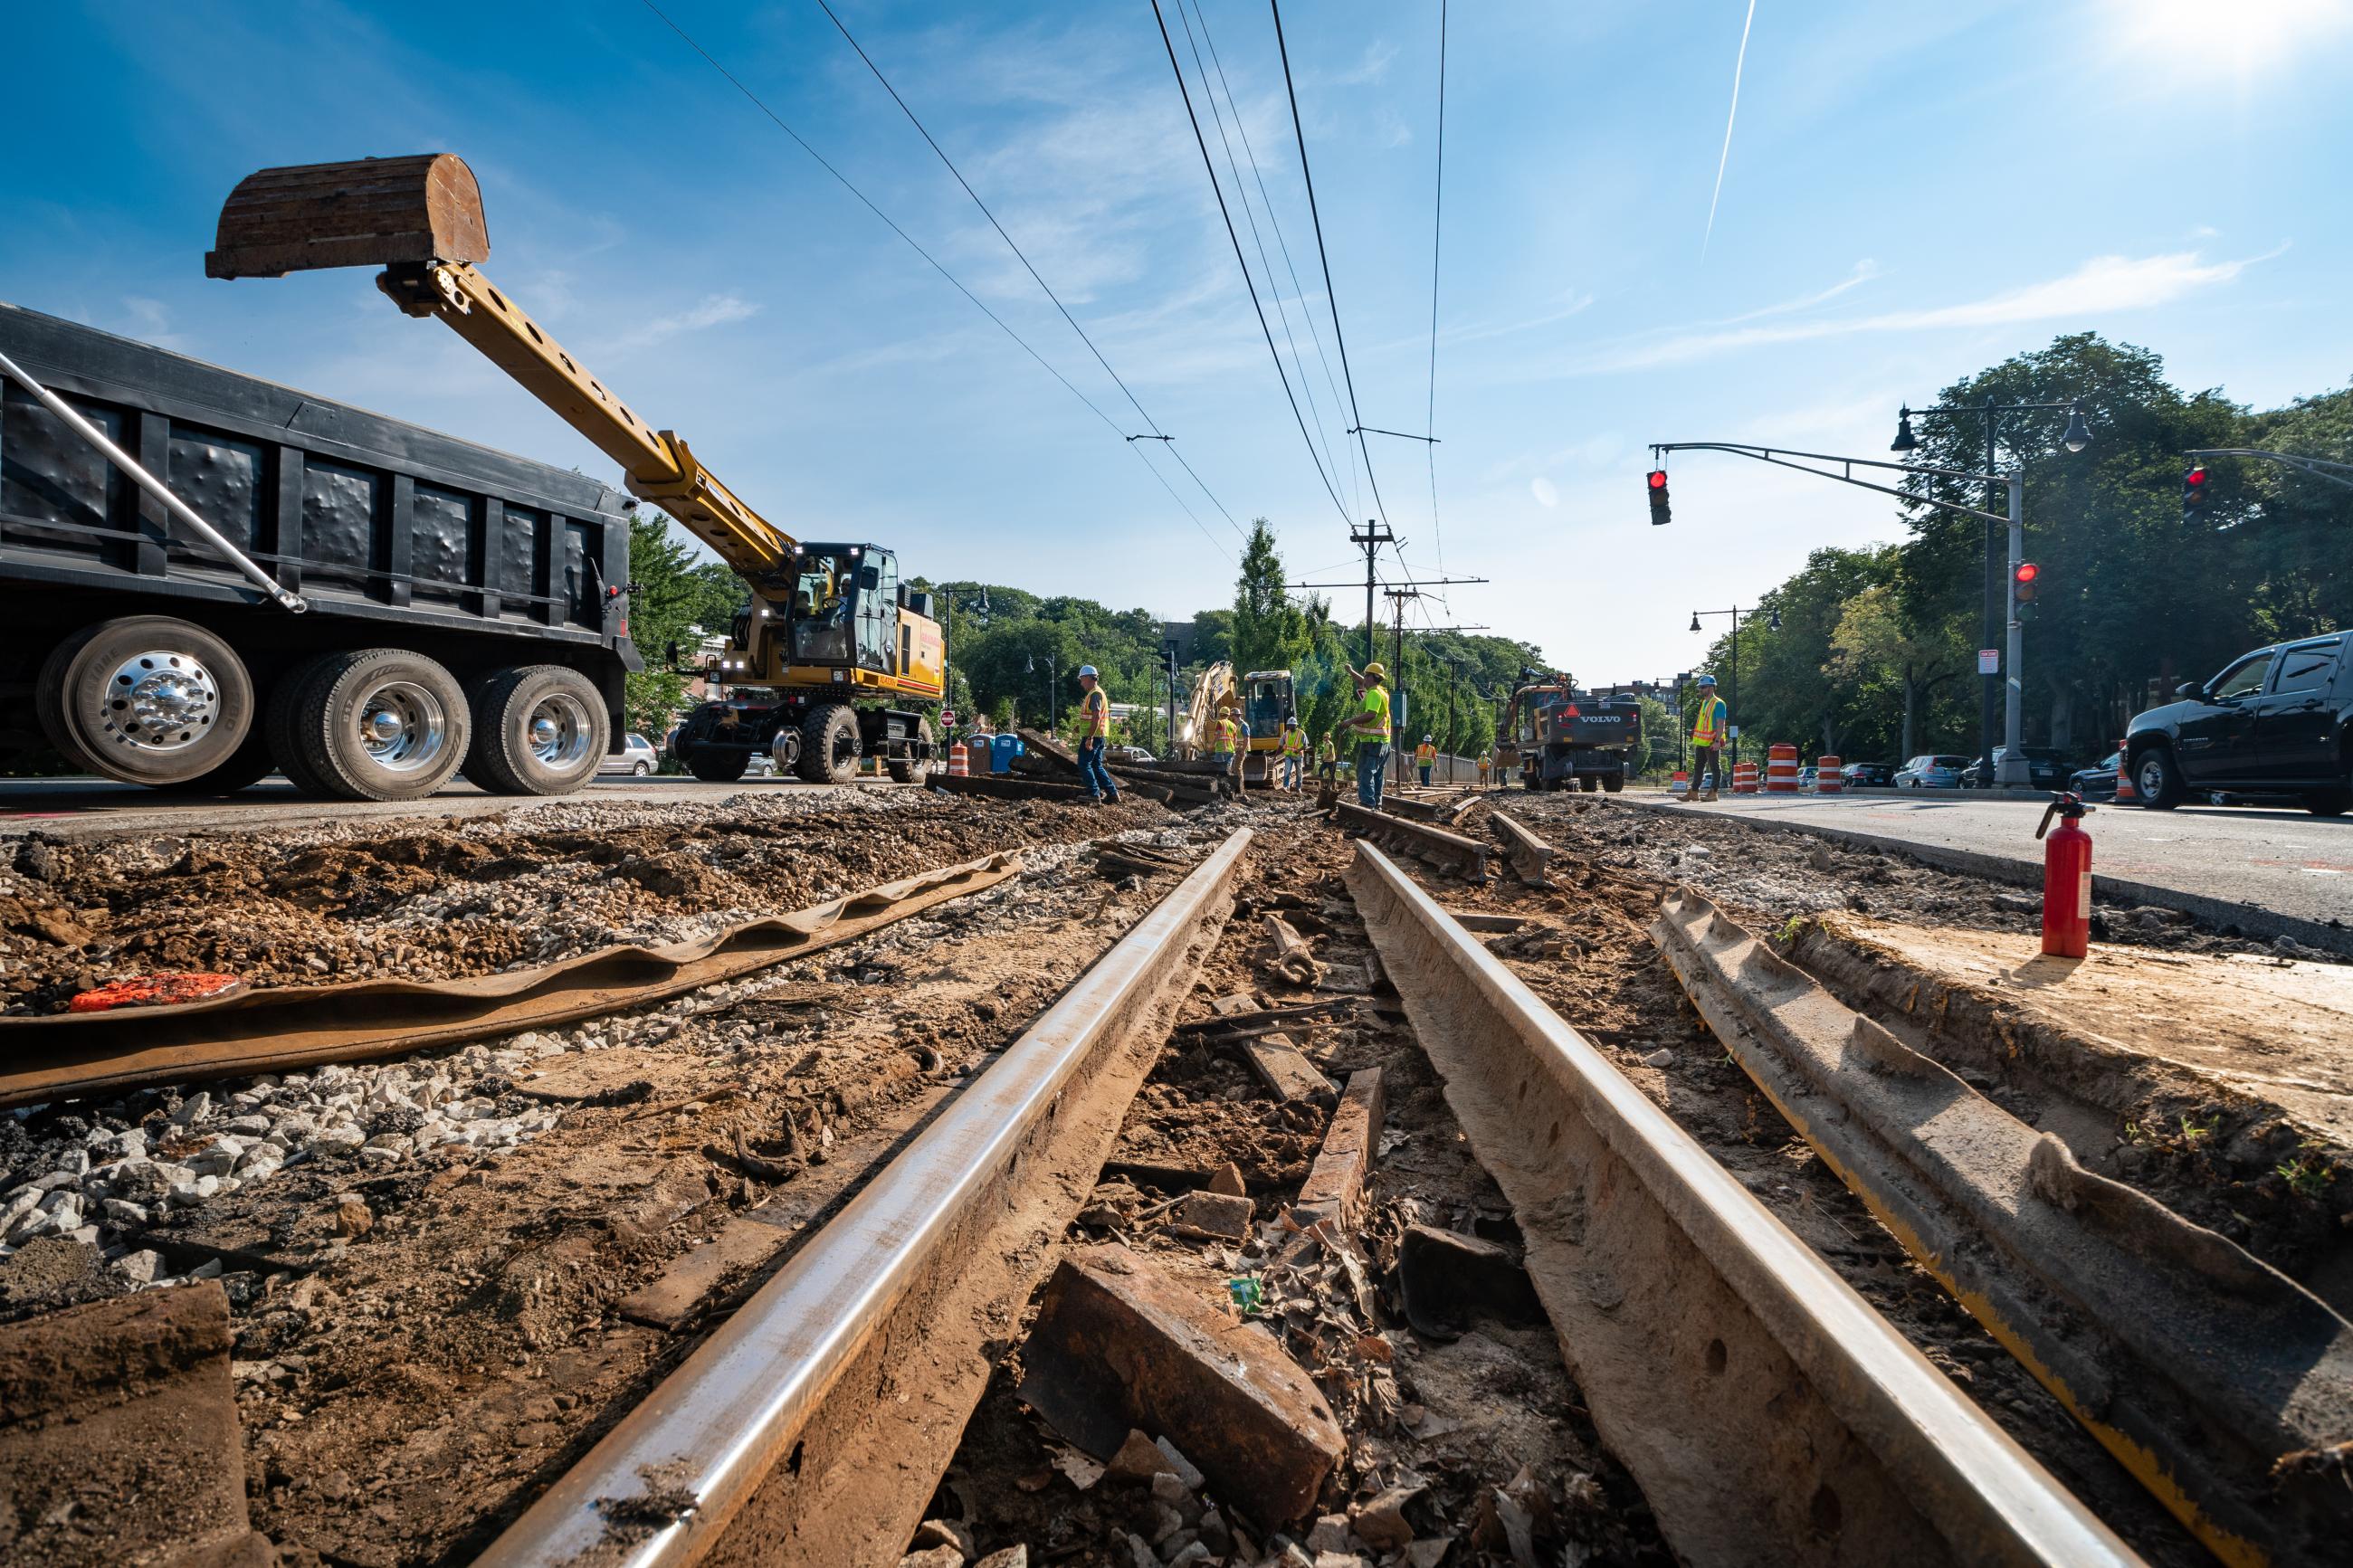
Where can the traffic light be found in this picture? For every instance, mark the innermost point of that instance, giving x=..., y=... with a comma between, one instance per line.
x=1660, y=516
x=2024, y=577
x=2193, y=492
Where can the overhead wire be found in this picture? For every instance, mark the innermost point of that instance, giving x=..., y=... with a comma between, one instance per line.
x=1331, y=295
x=933, y=143
x=1247, y=281
x=1437, y=228
x=912, y=243
x=1274, y=221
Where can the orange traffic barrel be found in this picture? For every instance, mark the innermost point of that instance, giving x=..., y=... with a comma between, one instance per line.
x=1828, y=780
x=1743, y=778
x=1781, y=771
x=1681, y=783
x=2126, y=794
x=959, y=761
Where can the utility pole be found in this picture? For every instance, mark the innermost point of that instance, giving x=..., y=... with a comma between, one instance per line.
x=1371, y=537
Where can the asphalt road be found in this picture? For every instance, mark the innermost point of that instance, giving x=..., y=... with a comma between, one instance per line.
x=73, y=807
x=2287, y=861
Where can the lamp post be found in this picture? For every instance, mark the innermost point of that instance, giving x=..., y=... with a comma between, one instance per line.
x=1732, y=693
x=2000, y=586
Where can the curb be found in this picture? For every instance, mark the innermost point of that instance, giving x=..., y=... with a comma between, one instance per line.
x=2251, y=919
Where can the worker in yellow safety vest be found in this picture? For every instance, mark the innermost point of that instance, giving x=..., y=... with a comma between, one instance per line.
x=1709, y=731
x=1094, y=716
x=1224, y=732
x=1295, y=752
x=1425, y=756
x=1482, y=770
x=1370, y=725
x=1327, y=760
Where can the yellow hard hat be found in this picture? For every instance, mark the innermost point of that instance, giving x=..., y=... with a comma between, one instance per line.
x=1375, y=671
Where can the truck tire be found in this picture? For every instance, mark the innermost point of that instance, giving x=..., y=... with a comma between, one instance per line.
x=148, y=700
x=379, y=723
x=829, y=745
x=248, y=765
x=718, y=767
x=1613, y=782
x=915, y=769
x=539, y=728
x=2158, y=778
x=1588, y=783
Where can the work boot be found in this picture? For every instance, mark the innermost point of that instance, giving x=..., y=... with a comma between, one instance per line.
x=1708, y=796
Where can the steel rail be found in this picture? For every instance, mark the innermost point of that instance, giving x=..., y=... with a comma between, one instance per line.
x=1530, y=857
x=2200, y=1367
x=857, y=1365
x=1433, y=845
x=1770, y=1415
x=79, y=1055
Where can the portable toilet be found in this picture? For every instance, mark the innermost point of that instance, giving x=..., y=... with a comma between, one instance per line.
x=1002, y=750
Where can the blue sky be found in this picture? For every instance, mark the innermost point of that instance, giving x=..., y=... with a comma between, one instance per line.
x=1910, y=192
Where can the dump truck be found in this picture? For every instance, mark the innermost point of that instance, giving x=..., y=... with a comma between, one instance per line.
x=207, y=576
x=834, y=657
x=1558, y=737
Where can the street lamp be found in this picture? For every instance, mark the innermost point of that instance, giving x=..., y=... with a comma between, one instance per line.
x=1732, y=685
x=2000, y=619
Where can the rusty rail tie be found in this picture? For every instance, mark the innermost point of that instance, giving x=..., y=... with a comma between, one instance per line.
x=1434, y=846
x=2198, y=1366
x=1530, y=857
x=1770, y=1413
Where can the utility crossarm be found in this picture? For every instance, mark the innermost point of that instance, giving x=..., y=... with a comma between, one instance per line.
x=2318, y=468
x=658, y=465
x=1778, y=457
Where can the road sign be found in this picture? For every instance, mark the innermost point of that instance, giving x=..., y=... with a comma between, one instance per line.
x=947, y=715
x=1988, y=661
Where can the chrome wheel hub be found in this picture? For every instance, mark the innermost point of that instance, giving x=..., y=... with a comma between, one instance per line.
x=159, y=702
x=403, y=727
x=558, y=731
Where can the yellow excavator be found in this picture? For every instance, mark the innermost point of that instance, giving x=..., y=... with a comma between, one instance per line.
x=833, y=657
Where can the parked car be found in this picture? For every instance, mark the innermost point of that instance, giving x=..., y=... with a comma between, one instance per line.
x=2277, y=722
x=2045, y=767
x=637, y=758
x=1808, y=776
x=2097, y=781
x=1868, y=775
x=1930, y=773
x=1129, y=755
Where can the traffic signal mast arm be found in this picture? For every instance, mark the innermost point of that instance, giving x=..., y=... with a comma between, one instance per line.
x=658, y=465
x=1780, y=458
x=2318, y=468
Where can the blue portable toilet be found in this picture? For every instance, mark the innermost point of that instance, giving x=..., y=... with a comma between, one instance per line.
x=1002, y=750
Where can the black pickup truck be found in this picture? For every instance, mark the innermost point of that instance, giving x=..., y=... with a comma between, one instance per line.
x=384, y=604
x=2278, y=722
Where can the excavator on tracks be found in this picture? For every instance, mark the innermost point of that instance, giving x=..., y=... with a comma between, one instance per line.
x=834, y=657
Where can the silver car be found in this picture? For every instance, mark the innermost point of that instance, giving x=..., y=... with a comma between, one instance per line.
x=1931, y=773
x=636, y=758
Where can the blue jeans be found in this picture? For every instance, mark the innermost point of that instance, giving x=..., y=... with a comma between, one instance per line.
x=1372, y=766
x=1290, y=773
x=1425, y=775
x=1092, y=772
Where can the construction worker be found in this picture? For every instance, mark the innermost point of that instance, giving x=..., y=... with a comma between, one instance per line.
x=1094, y=717
x=1709, y=731
x=1425, y=757
x=1327, y=761
x=1482, y=768
x=1224, y=732
x=1295, y=752
x=1370, y=727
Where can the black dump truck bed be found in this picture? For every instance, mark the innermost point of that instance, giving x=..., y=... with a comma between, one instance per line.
x=397, y=537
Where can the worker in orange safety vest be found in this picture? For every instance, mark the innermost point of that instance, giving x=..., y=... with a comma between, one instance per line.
x=1709, y=731
x=1424, y=756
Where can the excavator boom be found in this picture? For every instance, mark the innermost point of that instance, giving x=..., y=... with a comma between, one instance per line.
x=421, y=220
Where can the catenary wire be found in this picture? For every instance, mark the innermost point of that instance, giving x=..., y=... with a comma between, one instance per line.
x=912, y=243
x=1274, y=221
x=1154, y=424
x=1248, y=282
x=1331, y=295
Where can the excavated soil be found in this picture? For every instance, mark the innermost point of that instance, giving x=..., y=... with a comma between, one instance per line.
x=427, y=899
x=1483, y=1428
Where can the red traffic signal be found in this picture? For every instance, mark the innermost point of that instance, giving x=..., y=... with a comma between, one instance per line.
x=1659, y=513
x=2193, y=490
x=2027, y=573
x=2023, y=580
x=1658, y=478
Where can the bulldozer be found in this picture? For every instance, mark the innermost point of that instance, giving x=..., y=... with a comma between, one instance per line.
x=833, y=657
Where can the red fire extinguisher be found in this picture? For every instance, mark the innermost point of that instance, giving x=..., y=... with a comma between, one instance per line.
x=2066, y=879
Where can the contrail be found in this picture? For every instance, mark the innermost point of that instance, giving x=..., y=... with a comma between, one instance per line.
x=1730, y=115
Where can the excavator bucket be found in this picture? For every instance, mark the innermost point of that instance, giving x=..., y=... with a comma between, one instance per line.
x=371, y=212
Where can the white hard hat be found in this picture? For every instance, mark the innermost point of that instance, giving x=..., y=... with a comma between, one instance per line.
x=1088, y=669
x=1426, y=739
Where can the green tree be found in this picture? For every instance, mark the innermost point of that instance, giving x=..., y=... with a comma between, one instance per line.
x=678, y=600
x=1881, y=656
x=1270, y=629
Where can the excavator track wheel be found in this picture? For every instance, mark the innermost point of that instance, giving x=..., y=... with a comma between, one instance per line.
x=830, y=744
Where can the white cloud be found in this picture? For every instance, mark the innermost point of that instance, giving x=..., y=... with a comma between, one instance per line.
x=716, y=311
x=2102, y=285
x=1542, y=489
